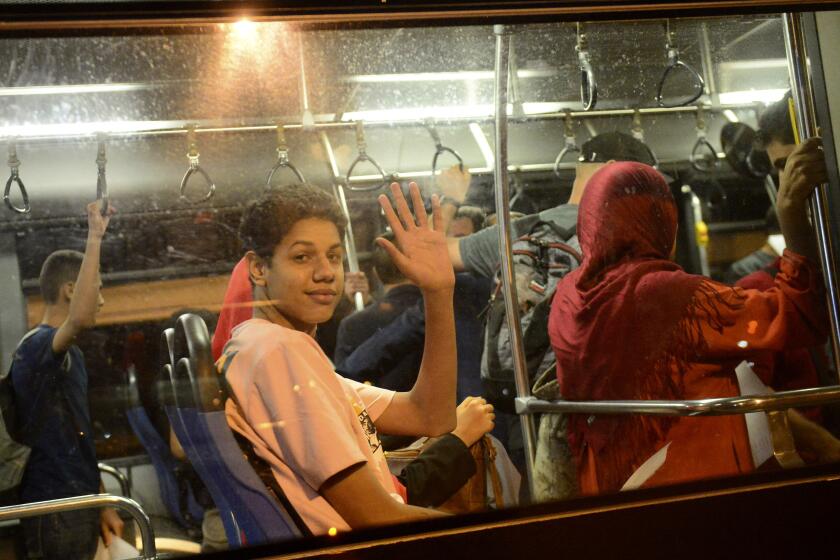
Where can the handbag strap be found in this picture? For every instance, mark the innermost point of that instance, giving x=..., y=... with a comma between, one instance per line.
x=490, y=463
x=263, y=470
x=260, y=465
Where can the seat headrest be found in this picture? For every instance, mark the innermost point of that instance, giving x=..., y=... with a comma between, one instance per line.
x=192, y=342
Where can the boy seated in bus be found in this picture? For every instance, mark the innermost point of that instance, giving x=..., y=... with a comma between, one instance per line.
x=316, y=429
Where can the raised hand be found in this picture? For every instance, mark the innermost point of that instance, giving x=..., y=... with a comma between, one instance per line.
x=454, y=183
x=97, y=223
x=420, y=252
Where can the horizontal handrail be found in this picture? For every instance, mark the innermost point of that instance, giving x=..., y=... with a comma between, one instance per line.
x=701, y=407
x=89, y=502
x=121, y=478
x=218, y=126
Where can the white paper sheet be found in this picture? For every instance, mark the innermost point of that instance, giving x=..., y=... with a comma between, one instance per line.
x=758, y=427
x=118, y=550
x=644, y=472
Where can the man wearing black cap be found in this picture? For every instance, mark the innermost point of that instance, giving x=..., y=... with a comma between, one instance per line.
x=479, y=253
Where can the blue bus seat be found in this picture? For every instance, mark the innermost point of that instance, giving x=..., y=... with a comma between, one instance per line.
x=178, y=496
x=180, y=408
x=255, y=503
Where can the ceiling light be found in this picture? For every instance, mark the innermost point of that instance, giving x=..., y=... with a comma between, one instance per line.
x=468, y=75
x=72, y=89
x=765, y=96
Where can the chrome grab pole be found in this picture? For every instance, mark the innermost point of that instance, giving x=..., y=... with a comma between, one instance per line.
x=746, y=404
x=806, y=122
x=89, y=502
x=338, y=192
x=121, y=478
x=523, y=388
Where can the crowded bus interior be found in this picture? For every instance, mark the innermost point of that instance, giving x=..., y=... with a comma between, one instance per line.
x=274, y=284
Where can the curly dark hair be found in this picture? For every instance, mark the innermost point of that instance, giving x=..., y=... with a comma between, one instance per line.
x=774, y=124
x=267, y=220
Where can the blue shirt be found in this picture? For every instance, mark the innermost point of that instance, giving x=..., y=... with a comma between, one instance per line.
x=52, y=402
x=403, y=338
x=396, y=374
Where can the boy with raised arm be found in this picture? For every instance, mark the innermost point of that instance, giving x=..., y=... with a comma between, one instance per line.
x=50, y=384
x=316, y=429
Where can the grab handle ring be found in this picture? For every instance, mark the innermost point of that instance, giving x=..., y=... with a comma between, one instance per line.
x=588, y=85
x=570, y=146
x=362, y=147
x=703, y=155
x=441, y=149
x=101, y=182
x=674, y=63
x=195, y=167
x=639, y=134
x=282, y=159
x=14, y=178
x=703, y=152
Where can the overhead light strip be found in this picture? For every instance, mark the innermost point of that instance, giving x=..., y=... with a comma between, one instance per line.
x=72, y=89
x=443, y=76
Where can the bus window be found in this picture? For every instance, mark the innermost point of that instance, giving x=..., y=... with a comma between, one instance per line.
x=255, y=267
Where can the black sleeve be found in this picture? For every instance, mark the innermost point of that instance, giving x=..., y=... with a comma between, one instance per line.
x=440, y=471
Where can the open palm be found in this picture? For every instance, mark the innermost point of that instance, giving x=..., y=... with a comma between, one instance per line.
x=420, y=251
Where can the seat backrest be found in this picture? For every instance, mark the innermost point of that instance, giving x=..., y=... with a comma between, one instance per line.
x=179, y=499
x=179, y=404
x=261, y=513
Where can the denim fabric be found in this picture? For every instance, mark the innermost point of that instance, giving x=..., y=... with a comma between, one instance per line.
x=62, y=536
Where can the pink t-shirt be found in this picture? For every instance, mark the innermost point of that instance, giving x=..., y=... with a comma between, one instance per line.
x=307, y=421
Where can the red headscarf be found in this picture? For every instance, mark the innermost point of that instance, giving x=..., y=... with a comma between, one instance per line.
x=236, y=308
x=618, y=324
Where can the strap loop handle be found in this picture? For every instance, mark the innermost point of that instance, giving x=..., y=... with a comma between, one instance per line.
x=195, y=167
x=282, y=159
x=639, y=134
x=570, y=146
x=703, y=155
x=14, y=178
x=588, y=85
x=441, y=149
x=362, y=147
x=101, y=182
x=674, y=64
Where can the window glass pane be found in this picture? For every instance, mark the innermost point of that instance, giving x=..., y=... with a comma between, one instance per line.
x=203, y=137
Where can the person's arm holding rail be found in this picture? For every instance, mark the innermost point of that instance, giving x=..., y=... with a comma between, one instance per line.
x=803, y=171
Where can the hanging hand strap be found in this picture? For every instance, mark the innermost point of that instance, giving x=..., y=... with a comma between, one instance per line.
x=195, y=168
x=101, y=182
x=14, y=178
x=282, y=159
x=362, y=147
x=673, y=67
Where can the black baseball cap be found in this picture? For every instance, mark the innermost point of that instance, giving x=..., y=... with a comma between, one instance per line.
x=616, y=146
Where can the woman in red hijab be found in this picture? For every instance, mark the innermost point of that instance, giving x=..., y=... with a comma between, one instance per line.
x=631, y=324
